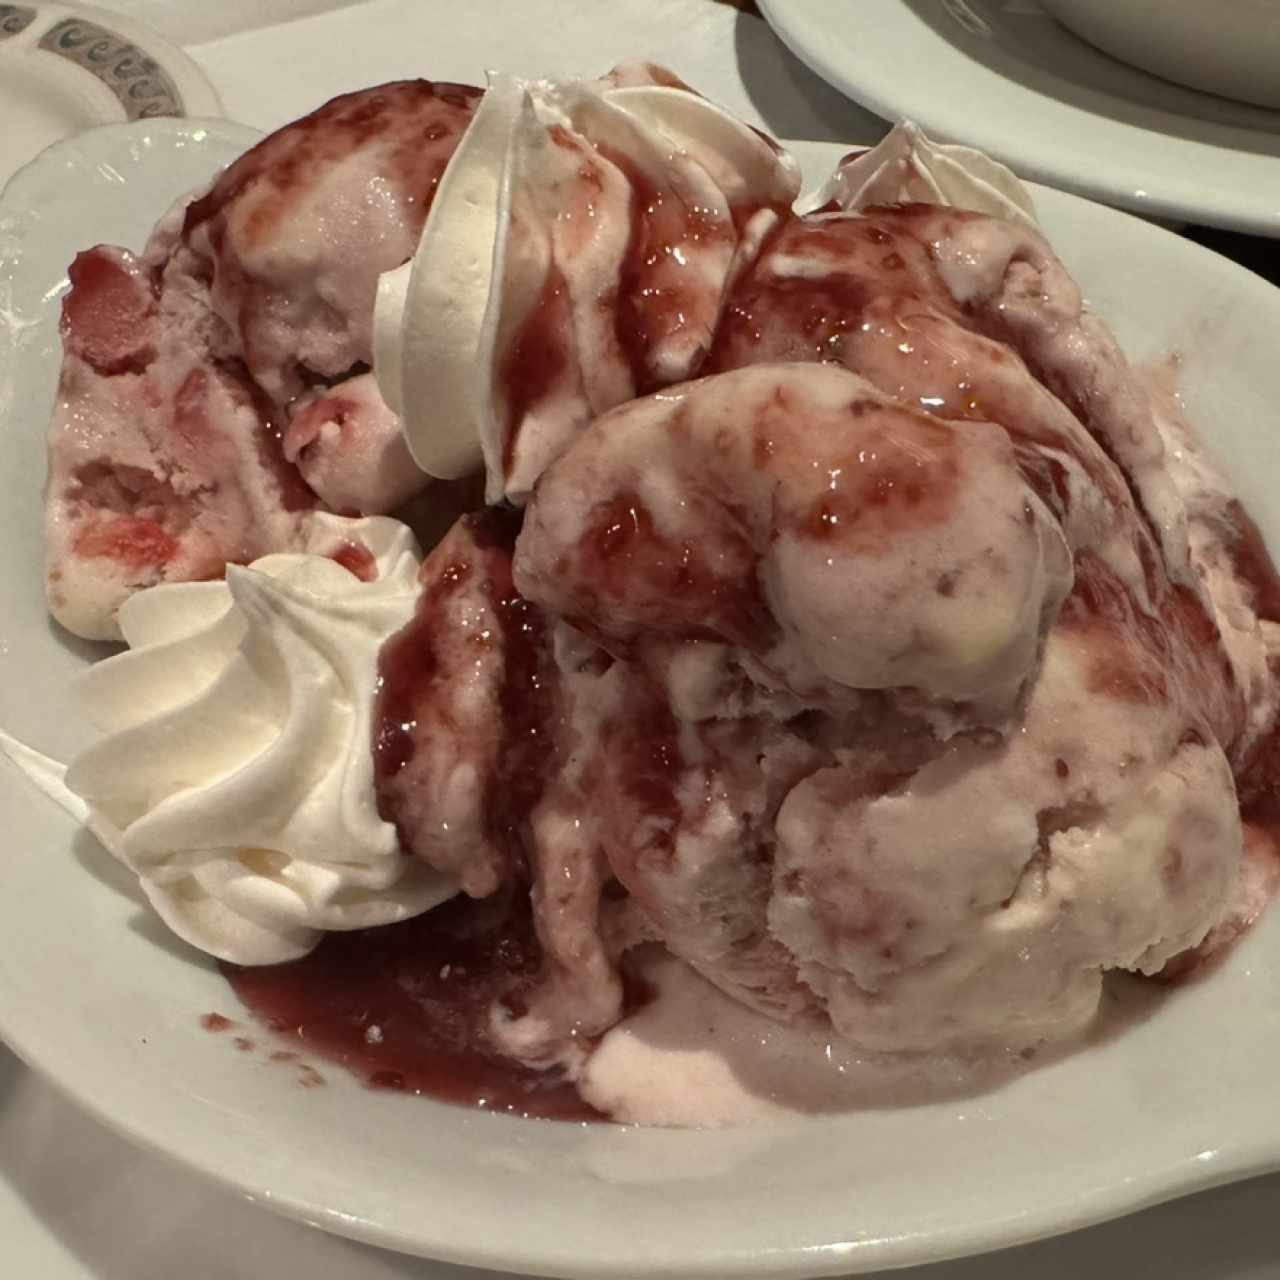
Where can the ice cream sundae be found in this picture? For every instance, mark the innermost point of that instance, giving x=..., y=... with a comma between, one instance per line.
x=846, y=631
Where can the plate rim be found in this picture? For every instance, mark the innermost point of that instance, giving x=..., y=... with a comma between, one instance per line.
x=870, y=81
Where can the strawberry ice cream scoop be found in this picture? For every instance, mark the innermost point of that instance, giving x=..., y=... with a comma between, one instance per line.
x=162, y=465
x=297, y=231
x=218, y=384
x=880, y=744
x=974, y=318
x=980, y=900
x=474, y=756
x=876, y=674
x=292, y=239
x=836, y=537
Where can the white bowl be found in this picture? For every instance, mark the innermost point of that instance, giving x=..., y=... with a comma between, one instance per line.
x=96, y=995
x=1229, y=47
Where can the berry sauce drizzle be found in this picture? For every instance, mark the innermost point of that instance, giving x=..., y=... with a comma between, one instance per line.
x=405, y=1007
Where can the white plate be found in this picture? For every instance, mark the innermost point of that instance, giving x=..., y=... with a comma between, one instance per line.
x=1003, y=76
x=94, y=994
x=66, y=68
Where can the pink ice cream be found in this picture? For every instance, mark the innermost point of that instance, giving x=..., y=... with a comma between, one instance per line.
x=216, y=386
x=875, y=674
x=849, y=618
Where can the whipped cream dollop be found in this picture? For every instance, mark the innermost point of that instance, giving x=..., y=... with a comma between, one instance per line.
x=236, y=772
x=578, y=253
x=906, y=167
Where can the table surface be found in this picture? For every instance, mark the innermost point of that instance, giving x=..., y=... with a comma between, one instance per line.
x=76, y=1201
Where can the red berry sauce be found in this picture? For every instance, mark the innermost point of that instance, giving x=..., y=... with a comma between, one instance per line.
x=406, y=1006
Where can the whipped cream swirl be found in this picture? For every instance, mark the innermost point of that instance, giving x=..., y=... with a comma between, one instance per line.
x=578, y=253
x=236, y=774
x=905, y=167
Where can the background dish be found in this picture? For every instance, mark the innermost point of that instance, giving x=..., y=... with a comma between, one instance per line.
x=1006, y=78
x=111, y=1012
x=1231, y=49
x=64, y=69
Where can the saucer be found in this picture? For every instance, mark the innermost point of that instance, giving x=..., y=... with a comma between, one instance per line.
x=64, y=69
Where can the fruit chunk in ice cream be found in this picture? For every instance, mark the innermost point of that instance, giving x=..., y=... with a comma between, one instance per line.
x=216, y=387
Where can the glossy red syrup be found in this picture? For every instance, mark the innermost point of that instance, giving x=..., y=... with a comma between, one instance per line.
x=410, y=670
x=904, y=476
x=655, y=301
x=703, y=589
x=422, y=120
x=405, y=1007
x=538, y=359
x=1253, y=563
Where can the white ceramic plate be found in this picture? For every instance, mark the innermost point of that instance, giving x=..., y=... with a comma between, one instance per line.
x=1003, y=76
x=67, y=68
x=93, y=993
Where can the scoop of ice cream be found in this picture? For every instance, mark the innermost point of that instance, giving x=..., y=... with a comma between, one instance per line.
x=844, y=819
x=236, y=766
x=980, y=901
x=832, y=535
x=581, y=250
x=217, y=386
x=289, y=243
x=475, y=770
x=297, y=231
x=162, y=466
x=890, y=694
x=974, y=317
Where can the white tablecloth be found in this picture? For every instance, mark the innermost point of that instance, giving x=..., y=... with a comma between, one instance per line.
x=76, y=1202
x=186, y=23
x=270, y=75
